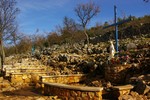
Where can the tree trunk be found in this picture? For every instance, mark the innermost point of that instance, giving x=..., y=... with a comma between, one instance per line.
x=87, y=37
x=16, y=49
x=2, y=53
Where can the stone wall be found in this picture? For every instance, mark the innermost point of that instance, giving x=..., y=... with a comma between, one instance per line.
x=64, y=79
x=68, y=92
x=67, y=79
x=60, y=85
x=8, y=71
x=116, y=73
x=26, y=78
x=118, y=91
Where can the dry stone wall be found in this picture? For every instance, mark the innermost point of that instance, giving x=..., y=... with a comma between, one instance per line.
x=26, y=78
x=67, y=92
x=66, y=79
x=118, y=91
x=8, y=71
x=117, y=73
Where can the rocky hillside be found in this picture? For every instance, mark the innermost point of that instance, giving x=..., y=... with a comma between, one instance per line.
x=129, y=66
x=135, y=28
x=131, y=63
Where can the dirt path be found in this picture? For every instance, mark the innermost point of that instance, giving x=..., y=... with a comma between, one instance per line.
x=25, y=94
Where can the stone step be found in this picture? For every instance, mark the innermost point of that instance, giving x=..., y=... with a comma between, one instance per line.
x=8, y=71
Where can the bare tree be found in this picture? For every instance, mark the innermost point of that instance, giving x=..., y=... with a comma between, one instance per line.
x=25, y=44
x=8, y=13
x=15, y=37
x=86, y=12
x=68, y=30
x=69, y=24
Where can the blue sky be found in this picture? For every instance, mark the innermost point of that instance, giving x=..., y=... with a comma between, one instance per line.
x=45, y=15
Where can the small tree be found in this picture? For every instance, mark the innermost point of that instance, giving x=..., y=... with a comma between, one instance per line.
x=8, y=13
x=25, y=44
x=69, y=24
x=14, y=37
x=53, y=38
x=86, y=12
x=68, y=30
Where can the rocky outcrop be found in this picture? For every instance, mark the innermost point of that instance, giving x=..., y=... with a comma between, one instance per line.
x=142, y=84
x=92, y=59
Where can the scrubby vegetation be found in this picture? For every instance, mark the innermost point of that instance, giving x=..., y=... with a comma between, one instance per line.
x=72, y=33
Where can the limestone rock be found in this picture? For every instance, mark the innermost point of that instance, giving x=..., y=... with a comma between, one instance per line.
x=131, y=46
x=1, y=79
x=142, y=88
x=132, y=96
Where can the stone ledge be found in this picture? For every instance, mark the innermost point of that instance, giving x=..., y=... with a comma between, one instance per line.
x=30, y=73
x=24, y=68
x=81, y=88
x=8, y=71
x=63, y=75
x=125, y=87
x=63, y=79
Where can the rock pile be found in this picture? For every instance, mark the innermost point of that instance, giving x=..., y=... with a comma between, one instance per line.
x=80, y=58
x=133, y=96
